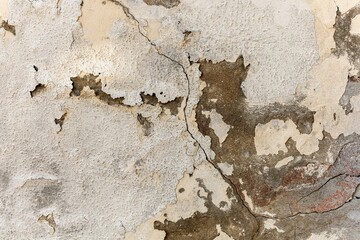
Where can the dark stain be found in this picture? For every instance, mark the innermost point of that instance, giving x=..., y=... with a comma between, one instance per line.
x=203, y=225
x=94, y=83
x=152, y=99
x=38, y=89
x=164, y=3
x=145, y=123
x=344, y=40
x=352, y=89
x=8, y=27
x=35, y=68
x=48, y=194
x=60, y=121
x=4, y=180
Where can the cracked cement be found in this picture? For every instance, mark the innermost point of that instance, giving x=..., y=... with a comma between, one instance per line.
x=179, y=120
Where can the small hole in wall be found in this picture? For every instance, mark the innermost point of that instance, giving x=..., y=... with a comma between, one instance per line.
x=334, y=116
x=165, y=214
x=181, y=190
x=36, y=68
x=161, y=93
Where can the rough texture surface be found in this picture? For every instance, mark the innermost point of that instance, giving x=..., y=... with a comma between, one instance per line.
x=179, y=119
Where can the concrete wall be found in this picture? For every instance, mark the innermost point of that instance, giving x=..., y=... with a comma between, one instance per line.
x=179, y=119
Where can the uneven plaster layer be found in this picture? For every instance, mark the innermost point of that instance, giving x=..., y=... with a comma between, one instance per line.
x=179, y=119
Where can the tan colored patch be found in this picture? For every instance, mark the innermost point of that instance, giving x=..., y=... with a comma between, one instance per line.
x=4, y=10
x=97, y=20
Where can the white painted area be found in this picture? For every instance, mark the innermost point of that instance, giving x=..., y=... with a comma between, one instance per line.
x=220, y=128
x=284, y=162
x=270, y=224
x=226, y=168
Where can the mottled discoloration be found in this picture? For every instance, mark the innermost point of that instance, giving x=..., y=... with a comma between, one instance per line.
x=223, y=82
x=164, y=3
x=352, y=89
x=236, y=222
x=344, y=40
x=47, y=195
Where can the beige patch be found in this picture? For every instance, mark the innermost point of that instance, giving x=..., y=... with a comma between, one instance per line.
x=97, y=20
x=270, y=138
x=355, y=25
x=153, y=29
x=4, y=10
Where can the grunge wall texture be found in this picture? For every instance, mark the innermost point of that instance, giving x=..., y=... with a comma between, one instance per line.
x=179, y=119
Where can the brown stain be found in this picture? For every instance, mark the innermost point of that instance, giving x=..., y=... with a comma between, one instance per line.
x=152, y=99
x=344, y=40
x=203, y=225
x=8, y=27
x=94, y=83
x=265, y=188
x=37, y=90
x=60, y=121
x=164, y=3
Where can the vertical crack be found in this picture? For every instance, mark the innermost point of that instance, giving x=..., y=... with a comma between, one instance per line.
x=227, y=180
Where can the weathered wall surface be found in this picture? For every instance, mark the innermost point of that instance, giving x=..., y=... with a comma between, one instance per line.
x=179, y=119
